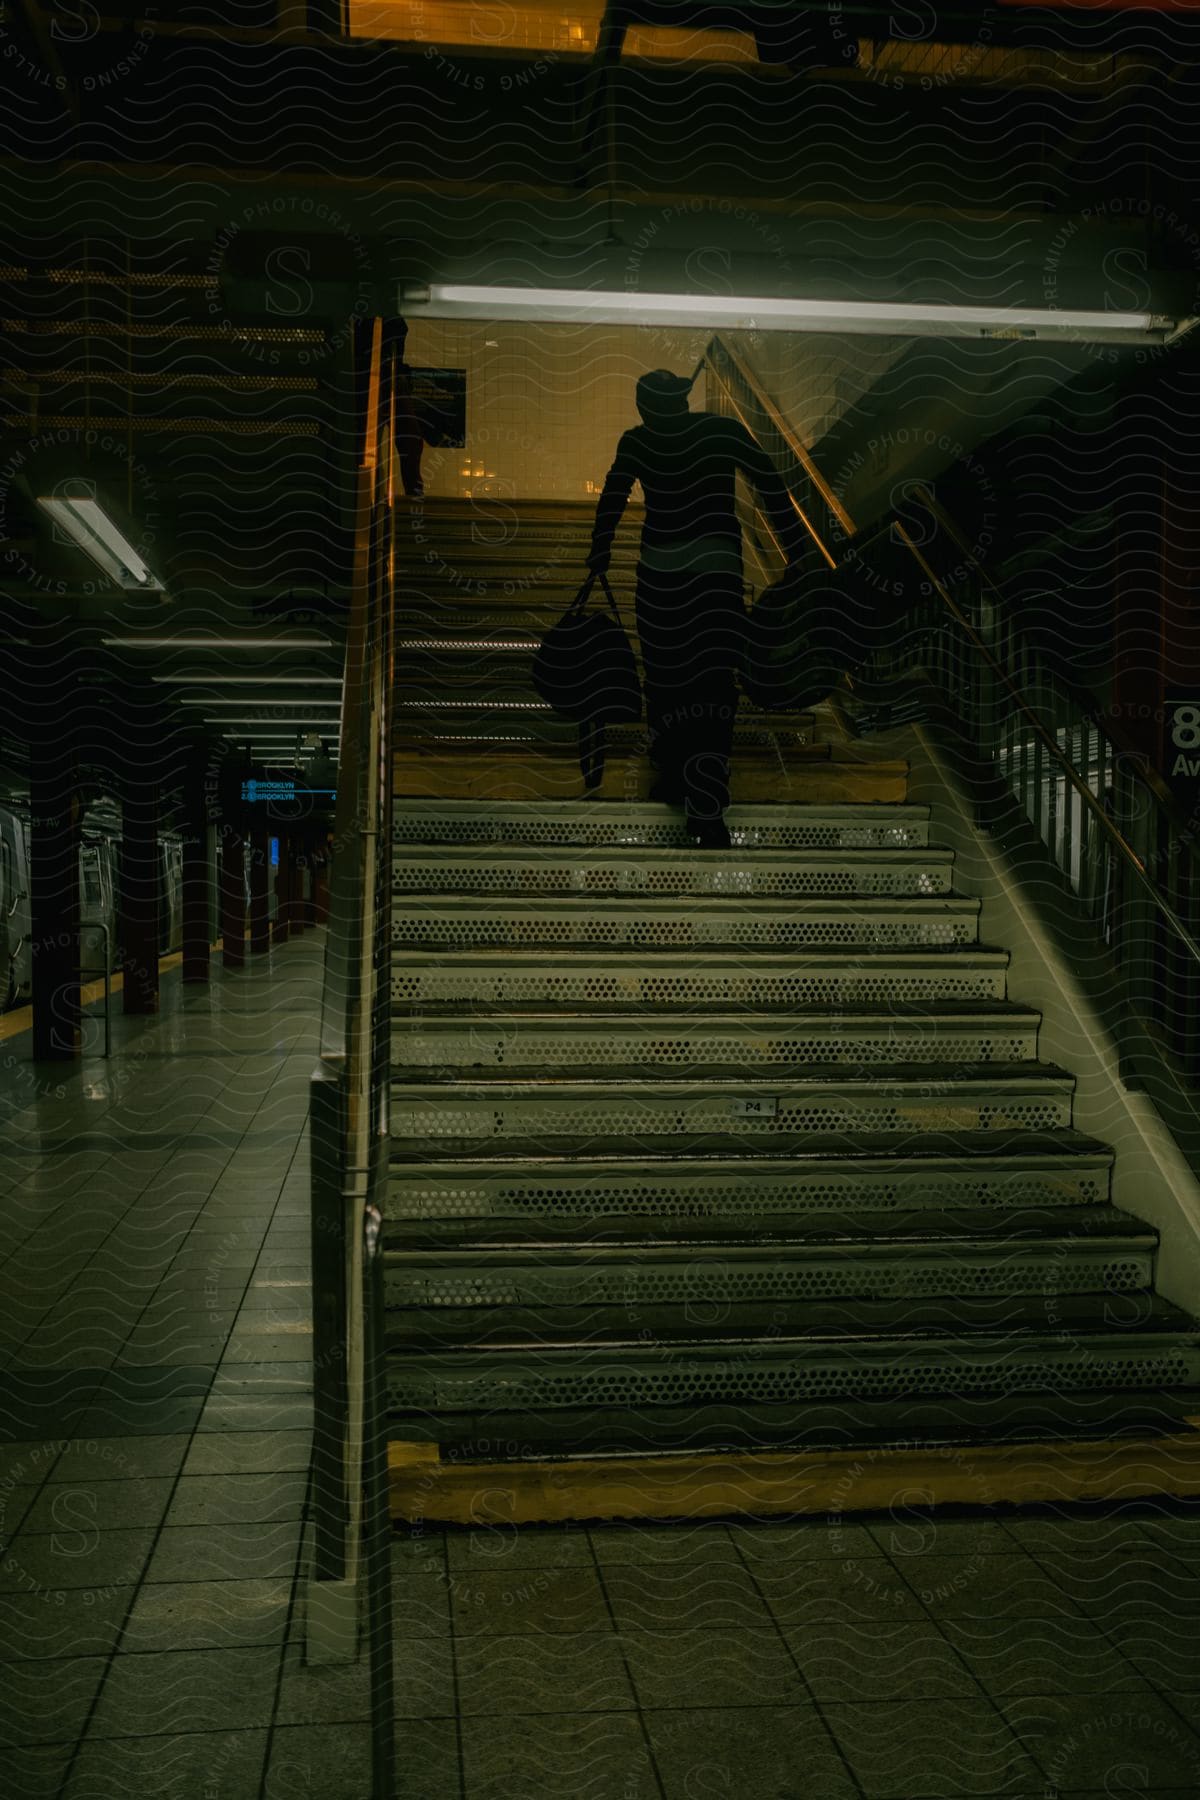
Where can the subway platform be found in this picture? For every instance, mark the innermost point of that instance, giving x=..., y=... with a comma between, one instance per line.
x=153, y=1484
x=157, y=1415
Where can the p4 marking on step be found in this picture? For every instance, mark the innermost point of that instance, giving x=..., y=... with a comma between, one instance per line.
x=762, y=1106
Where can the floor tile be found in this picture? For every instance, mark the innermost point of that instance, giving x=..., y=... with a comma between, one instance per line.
x=779, y=1543
x=37, y=1771
x=538, y=1674
x=119, y=1459
x=931, y=1750
x=533, y=1600
x=851, y=1660
x=556, y=1757
x=421, y=1596
x=238, y=1499
x=76, y=1622
x=15, y=1504
x=337, y=1693
x=107, y=1505
x=226, y=1552
x=257, y=1413
x=662, y=1546
x=915, y=1532
x=712, y=1668
x=752, y=1753
x=326, y=1762
x=158, y=1695
x=857, y=1588
x=986, y=1587
x=226, y=1765
x=207, y=1615
x=1103, y=1741
x=47, y=1702
x=75, y=1556
x=503, y=1547
x=248, y=1452
x=715, y=1596
x=1041, y=1656
x=423, y=1672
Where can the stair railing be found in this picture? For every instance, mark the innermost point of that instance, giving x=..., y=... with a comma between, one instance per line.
x=349, y=1589
x=1032, y=741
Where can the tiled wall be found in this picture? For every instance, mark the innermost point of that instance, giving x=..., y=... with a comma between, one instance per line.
x=547, y=403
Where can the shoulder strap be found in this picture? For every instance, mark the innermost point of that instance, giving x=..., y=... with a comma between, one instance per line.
x=585, y=593
x=592, y=746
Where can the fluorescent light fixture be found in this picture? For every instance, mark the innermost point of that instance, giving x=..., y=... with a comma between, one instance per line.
x=85, y=521
x=308, y=718
x=219, y=643
x=217, y=679
x=248, y=700
x=582, y=306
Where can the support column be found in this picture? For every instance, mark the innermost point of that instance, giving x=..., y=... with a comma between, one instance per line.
x=197, y=899
x=283, y=893
x=298, y=919
x=54, y=902
x=233, y=898
x=260, y=891
x=138, y=919
x=321, y=888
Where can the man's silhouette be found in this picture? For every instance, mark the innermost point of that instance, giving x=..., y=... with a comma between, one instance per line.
x=690, y=615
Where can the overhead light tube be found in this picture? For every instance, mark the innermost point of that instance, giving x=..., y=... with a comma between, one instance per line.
x=88, y=525
x=772, y=313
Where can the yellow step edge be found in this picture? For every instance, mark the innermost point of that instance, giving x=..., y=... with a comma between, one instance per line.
x=424, y=1489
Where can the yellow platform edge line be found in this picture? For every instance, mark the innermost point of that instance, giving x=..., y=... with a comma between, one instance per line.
x=424, y=1489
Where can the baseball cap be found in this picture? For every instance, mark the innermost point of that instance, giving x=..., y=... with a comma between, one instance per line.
x=662, y=384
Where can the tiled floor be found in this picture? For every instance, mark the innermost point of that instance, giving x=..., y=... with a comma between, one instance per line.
x=1031, y=1656
x=154, y=1444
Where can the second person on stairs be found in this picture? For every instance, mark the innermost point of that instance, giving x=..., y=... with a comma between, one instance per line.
x=689, y=605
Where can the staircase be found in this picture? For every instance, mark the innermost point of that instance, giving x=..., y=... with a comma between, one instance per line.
x=720, y=1152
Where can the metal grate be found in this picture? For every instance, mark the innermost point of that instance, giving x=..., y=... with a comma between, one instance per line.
x=461, y=924
x=672, y=1043
x=934, y=1106
x=508, y=870
x=733, y=1374
x=751, y=827
x=756, y=983
x=759, y=1192
x=957, y=1270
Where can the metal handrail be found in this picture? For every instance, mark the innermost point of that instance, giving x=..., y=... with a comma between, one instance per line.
x=349, y=1116
x=718, y=349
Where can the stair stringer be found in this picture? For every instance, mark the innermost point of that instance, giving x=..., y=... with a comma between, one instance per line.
x=1025, y=908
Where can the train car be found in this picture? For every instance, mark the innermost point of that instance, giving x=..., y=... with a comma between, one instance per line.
x=16, y=941
x=99, y=897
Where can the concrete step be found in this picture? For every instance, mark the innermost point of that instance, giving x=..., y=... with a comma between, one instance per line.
x=517, y=869
x=657, y=1040
x=737, y=1180
x=605, y=823
x=688, y=978
x=674, y=1114
x=704, y=921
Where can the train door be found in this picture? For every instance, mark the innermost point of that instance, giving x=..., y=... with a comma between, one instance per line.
x=16, y=923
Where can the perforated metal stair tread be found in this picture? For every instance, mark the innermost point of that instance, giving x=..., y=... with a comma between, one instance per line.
x=457, y=1242
x=692, y=1440
x=767, y=1332
x=608, y=1013
x=605, y=822
x=967, y=1077
x=513, y=871
x=952, y=1150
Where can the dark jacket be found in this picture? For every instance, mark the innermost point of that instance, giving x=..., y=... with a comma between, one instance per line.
x=687, y=467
